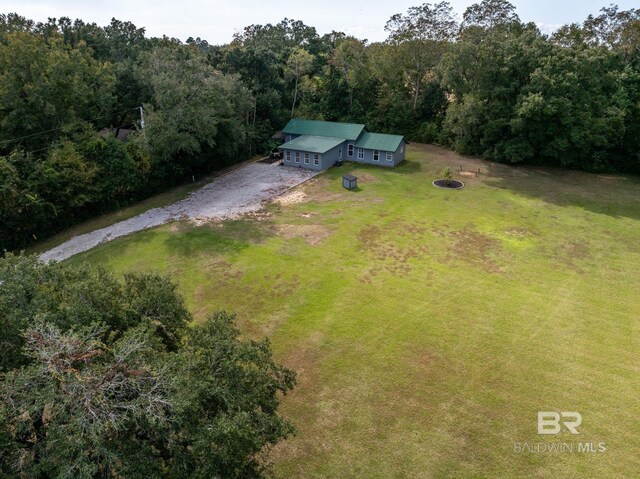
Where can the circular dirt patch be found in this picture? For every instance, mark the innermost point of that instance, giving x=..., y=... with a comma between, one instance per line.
x=451, y=184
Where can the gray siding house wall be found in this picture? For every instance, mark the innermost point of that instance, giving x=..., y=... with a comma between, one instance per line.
x=345, y=153
x=400, y=153
x=398, y=156
x=367, y=156
x=331, y=156
x=325, y=160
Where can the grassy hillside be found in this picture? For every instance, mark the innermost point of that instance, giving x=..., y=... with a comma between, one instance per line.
x=427, y=326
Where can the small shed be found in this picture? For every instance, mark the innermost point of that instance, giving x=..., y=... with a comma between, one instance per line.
x=349, y=182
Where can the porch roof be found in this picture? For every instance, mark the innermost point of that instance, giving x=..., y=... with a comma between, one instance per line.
x=312, y=144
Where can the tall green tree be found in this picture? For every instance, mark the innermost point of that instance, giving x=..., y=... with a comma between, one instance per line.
x=190, y=103
x=298, y=67
x=486, y=74
x=75, y=297
x=571, y=113
x=349, y=58
x=490, y=13
x=47, y=86
x=103, y=378
x=419, y=38
x=613, y=27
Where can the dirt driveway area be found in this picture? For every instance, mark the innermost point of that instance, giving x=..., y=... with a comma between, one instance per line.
x=240, y=191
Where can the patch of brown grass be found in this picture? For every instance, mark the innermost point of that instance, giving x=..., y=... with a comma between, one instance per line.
x=366, y=178
x=368, y=236
x=291, y=197
x=571, y=253
x=384, y=245
x=221, y=269
x=467, y=174
x=304, y=361
x=519, y=232
x=312, y=234
x=474, y=248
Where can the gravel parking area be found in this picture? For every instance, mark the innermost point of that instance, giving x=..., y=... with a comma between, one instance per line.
x=240, y=191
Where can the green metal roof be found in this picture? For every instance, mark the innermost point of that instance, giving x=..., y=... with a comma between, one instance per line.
x=379, y=141
x=346, y=131
x=312, y=144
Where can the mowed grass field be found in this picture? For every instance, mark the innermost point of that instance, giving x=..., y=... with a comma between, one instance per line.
x=428, y=327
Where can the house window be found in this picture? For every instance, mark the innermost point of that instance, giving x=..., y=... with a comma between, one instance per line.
x=360, y=154
x=389, y=156
x=350, y=150
x=316, y=160
x=340, y=154
x=306, y=158
x=376, y=155
x=287, y=156
x=297, y=157
x=402, y=149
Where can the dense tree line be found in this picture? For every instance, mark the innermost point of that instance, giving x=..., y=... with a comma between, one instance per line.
x=569, y=100
x=487, y=85
x=101, y=378
x=62, y=82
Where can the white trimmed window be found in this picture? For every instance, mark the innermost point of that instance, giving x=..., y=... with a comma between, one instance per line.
x=376, y=155
x=297, y=157
x=389, y=156
x=350, y=150
x=316, y=160
x=360, y=153
x=340, y=154
x=287, y=156
x=402, y=149
x=306, y=158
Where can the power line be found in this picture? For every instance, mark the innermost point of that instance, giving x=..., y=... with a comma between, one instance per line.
x=29, y=136
x=53, y=145
x=57, y=143
x=63, y=127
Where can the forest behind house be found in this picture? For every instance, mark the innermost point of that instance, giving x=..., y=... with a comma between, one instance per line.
x=487, y=84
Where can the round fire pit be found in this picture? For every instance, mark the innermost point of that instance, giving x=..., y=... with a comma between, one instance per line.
x=449, y=184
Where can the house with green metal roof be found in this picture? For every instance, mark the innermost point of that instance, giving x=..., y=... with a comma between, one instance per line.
x=318, y=145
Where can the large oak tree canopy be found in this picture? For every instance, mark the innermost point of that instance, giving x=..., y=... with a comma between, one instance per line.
x=103, y=378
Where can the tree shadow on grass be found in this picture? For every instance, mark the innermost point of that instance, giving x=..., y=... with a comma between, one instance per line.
x=229, y=236
x=608, y=194
x=408, y=167
x=117, y=247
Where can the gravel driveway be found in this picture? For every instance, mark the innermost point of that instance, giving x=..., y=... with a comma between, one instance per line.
x=240, y=191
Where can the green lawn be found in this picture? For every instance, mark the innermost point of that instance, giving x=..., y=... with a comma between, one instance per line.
x=428, y=326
